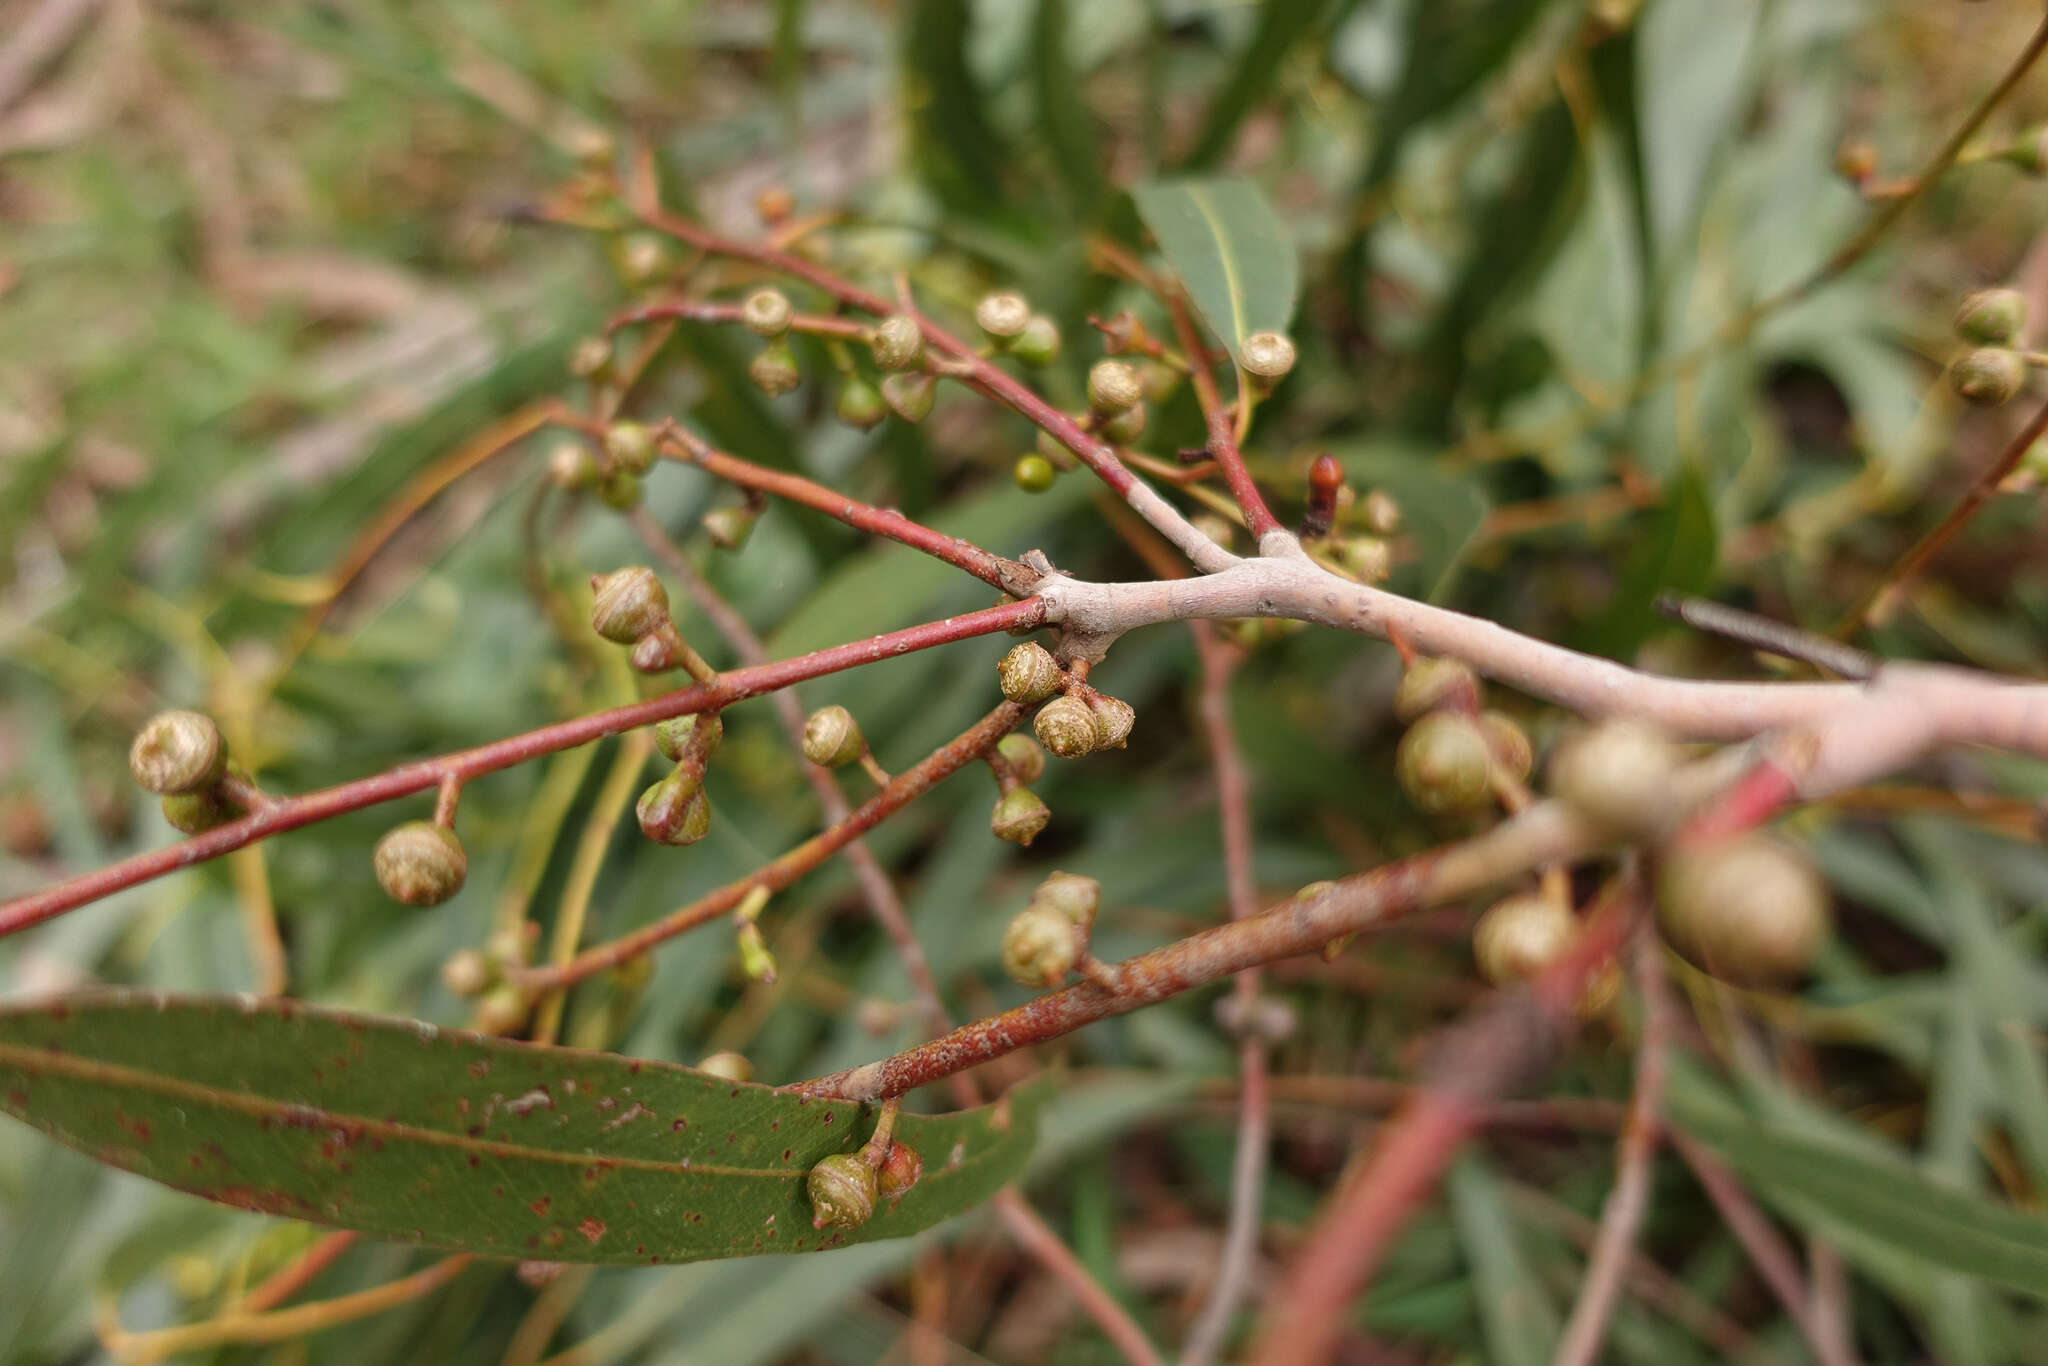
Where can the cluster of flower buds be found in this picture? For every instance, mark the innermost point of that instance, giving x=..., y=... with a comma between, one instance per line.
x=613, y=471
x=1454, y=754
x=484, y=975
x=1994, y=322
x=1044, y=941
x=674, y=809
x=845, y=1187
x=181, y=757
x=630, y=607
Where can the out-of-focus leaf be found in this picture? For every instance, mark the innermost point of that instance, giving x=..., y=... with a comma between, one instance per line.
x=963, y=154
x=1886, y=1201
x=1229, y=249
x=1452, y=46
x=1281, y=26
x=1440, y=511
x=453, y=1140
x=1675, y=553
x=1515, y=1312
x=1062, y=114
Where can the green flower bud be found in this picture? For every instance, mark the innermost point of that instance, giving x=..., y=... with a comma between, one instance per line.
x=842, y=1190
x=767, y=312
x=1002, y=316
x=1039, y=342
x=860, y=403
x=1038, y=947
x=177, y=752
x=1114, y=718
x=1160, y=380
x=620, y=489
x=1520, y=936
x=571, y=466
x=466, y=972
x=1443, y=765
x=1028, y=673
x=1988, y=376
x=729, y=1065
x=675, y=810
x=680, y=735
x=900, y=1170
x=195, y=813
x=832, y=738
x=1033, y=473
x=630, y=603
x=1113, y=386
x=1055, y=451
x=1066, y=726
x=1513, y=756
x=1023, y=755
x=1750, y=909
x=591, y=358
x=898, y=342
x=1618, y=775
x=1428, y=683
x=729, y=526
x=1073, y=896
x=1992, y=317
x=910, y=395
x=420, y=863
x=642, y=258
x=1127, y=426
x=1018, y=816
x=773, y=369
x=755, y=960
x=2029, y=151
x=1266, y=356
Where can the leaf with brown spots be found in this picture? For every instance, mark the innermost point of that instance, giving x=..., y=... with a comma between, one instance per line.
x=453, y=1140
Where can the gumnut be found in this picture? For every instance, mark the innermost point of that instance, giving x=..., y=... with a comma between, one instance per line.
x=420, y=863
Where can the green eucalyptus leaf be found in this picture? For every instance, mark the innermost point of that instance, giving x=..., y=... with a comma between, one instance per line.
x=453, y=1140
x=1230, y=250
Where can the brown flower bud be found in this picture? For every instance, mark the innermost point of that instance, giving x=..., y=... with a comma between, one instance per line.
x=420, y=863
x=466, y=972
x=176, y=752
x=1114, y=718
x=1066, y=726
x=1988, y=376
x=1113, y=386
x=195, y=813
x=572, y=466
x=766, y=312
x=1992, y=317
x=1028, y=673
x=630, y=603
x=503, y=1010
x=1018, y=816
x=910, y=395
x=832, y=738
x=842, y=1189
x=1520, y=936
x=1038, y=947
x=898, y=342
x=630, y=446
x=1513, y=756
x=774, y=370
x=1127, y=426
x=675, y=810
x=700, y=732
x=729, y=526
x=1750, y=909
x=1002, y=315
x=1266, y=356
x=901, y=1167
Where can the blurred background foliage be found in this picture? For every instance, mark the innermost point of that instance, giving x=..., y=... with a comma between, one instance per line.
x=262, y=265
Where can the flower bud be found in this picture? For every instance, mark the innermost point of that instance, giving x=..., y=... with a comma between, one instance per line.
x=1443, y=765
x=1055, y=452
x=766, y=312
x=1127, y=426
x=1039, y=342
x=571, y=466
x=1992, y=317
x=832, y=738
x=842, y=1190
x=177, y=752
x=1066, y=726
x=630, y=446
x=1513, y=756
x=1618, y=775
x=898, y=342
x=1033, y=473
x=1023, y=755
x=420, y=863
x=195, y=813
x=900, y=1170
x=1028, y=673
x=1266, y=356
x=620, y=489
x=1038, y=947
x=1002, y=316
x=630, y=603
x=1988, y=376
x=1520, y=936
x=502, y=1010
x=860, y=403
x=680, y=735
x=1366, y=558
x=2029, y=151
x=755, y=960
x=1749, y=909
x=641, y=258
x=466, y=972
x=910, y=395
x=1076, y=897
x=728, y=1064
x=1114, y=718
x=1160, y=380
x=1018, y=816
x=1113, y=386
x=591, y=358
x=729, y=526
x=773, y=369
x=1428, y=683
x=675, y=810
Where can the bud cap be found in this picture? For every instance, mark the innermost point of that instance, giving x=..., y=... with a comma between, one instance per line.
x=898, y=342
x=177, y=752
x=832, y=738
x=1019, y=815
x=767, y=312
x=630, y=603
x=1268, y=355
x=1066, y=726
x=842, y=1190
x=1029, y=673
x=420, y=863
x=1113, y=386
x=1002, y=315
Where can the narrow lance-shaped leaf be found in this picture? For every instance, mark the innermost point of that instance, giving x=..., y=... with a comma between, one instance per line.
x=1231, y=251
x=454, y=1140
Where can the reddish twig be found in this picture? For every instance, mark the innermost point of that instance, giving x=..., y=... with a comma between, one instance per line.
x=699, y=311
x=779, y=873
x=1258, y=519
x=289, y=813
x=1032, y=1233
x=296, y=1274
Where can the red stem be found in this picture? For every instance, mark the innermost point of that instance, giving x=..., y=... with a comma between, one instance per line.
x=292, y=812
x=1258, y=519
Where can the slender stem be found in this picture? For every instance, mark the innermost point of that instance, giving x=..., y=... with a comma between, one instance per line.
x=1258, y=519
x=292, y=812
x=1629, y=1202
x=295, y=1275
x=612, y=798
x=696, y=311
x=259, y=923
x=1038, y=1239
x=913, y=782
x=544, y=1318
